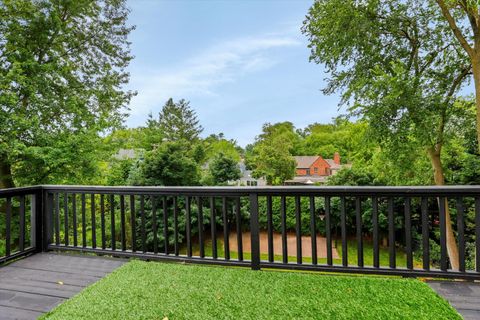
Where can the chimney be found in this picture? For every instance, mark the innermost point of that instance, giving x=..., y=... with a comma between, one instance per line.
x=336, y=158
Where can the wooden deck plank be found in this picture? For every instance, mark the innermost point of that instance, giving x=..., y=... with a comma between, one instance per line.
x=36, y=284
x=10, y=313
x=463, y=296
x=47, y=276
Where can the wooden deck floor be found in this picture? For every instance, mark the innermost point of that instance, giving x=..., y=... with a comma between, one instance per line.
x=36, y=284
x=463, y=296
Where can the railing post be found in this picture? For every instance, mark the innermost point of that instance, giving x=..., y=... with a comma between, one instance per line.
x=254, y=231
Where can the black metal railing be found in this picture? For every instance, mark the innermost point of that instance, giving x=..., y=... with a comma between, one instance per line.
x=20, y=222
x=374, y=230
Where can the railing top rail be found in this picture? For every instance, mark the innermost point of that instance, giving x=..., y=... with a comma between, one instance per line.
x=471, y=190
x=19, y=190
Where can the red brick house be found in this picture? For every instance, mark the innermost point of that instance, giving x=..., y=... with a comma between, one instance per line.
x=312, y=169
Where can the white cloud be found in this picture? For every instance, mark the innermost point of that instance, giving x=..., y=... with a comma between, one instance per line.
x=221, y=63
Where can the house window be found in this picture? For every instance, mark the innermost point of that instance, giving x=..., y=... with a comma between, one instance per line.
x=315, y=170
x=308, y=172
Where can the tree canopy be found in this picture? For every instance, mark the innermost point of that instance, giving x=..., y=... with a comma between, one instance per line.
x=177, y=121
x=62, y=73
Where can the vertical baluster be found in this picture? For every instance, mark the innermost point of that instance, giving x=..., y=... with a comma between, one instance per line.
x=358, y=214
x=8, y=226
x=49, y=220
x=461, y=234
x=238, y=219
x=283, y=213
x=165, y=225
x=112, y=221
x=84, y=222
x=408, y=232
x=154, y=224
x=200, y=227
x=213, y=224
x=298, y=229
x=254, y=231
x=477, y=233
x=270, y=229
x=343, y=226
x=94, y=227
x=133, y=222
x=313, y=230
x=425, y=234
x=225, y=229
x=123, y=236
x=102, y=221
x=391, y=233
x=57, y=219
x=74, y=216
x=175, y=226
x=443, y=234
x=376, y=256
x=21, y=239
x=188, y=226
x=328, y=231
x=142, y=223
x=65, y=213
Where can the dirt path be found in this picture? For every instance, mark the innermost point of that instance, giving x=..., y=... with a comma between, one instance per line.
x=277, y=244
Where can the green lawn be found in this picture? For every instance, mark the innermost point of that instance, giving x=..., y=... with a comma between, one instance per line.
x=152, y=290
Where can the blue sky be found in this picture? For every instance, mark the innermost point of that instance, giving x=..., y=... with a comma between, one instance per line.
x=240, y=64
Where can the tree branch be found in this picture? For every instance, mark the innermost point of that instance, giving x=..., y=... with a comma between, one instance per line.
x=456, y=82
x=456, y=31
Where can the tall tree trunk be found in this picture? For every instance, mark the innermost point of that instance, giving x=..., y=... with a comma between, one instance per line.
x=476, y=81
x=6, y=179
x=452, y=249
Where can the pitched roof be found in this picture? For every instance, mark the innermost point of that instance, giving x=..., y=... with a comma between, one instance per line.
x=305, y=161
x=332, y=164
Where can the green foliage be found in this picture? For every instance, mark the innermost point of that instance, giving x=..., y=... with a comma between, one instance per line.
x=271, y=156
x=62, y=75
x=63, y=158
x=145, y=138
x=223, y=168
x=119, y=172
x=347, y=138
x=177, y=121
x=168, y=165
x=216, y=144
x=354, y=177
x=246, y=294
x=395, y=64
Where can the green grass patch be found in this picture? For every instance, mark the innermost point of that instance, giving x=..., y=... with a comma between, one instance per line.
x=151, y=290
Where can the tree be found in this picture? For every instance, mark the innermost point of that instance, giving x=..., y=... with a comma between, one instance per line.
x=216, y=144
x=463, y=18
x=347, y=138
x=271, y=156
x=142, y=137
x=62, y=72
x=177, y=121
x=395, y=67
x=168, y=165
x=62, y=158
x=223, y=169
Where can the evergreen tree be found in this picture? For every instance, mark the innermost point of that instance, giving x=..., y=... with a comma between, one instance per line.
x=177, y=121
